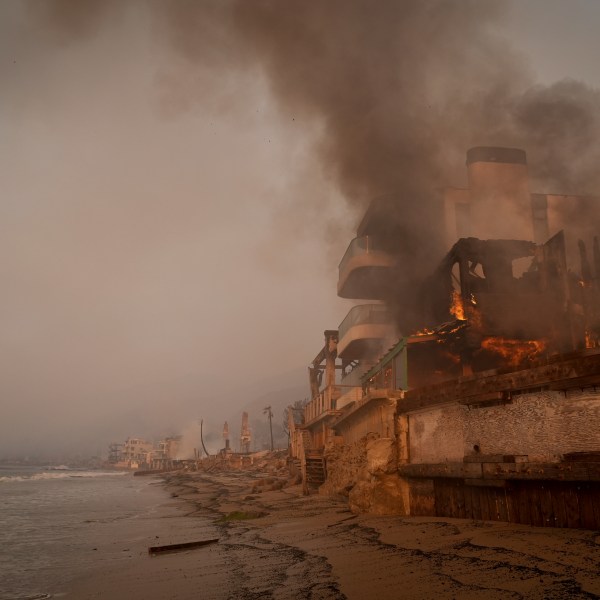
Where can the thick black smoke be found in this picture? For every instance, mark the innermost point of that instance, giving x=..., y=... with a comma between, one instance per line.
x=401, y=89
x=380, y=79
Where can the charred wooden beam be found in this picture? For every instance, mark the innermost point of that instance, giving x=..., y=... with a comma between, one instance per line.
x=488, y=399
x=586, y=269
x=495, y=471
x=581, y=369
x=596, y=254
x=582, y=456
x=330, y=347
x=182, y=546
x=496, y=458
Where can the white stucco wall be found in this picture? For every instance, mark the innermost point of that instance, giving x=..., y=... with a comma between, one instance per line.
x=542, y=425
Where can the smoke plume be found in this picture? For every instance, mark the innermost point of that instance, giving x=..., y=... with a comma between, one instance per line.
x=401, y=90
x=396, y=92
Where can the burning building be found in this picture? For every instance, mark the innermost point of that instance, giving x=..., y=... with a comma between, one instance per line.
x=472, y=392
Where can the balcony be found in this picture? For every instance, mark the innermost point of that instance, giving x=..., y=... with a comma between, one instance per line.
x=364, y=271
x=324, y=404
x=364, y=332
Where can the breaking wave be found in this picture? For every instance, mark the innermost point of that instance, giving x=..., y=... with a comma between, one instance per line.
x=61, y=475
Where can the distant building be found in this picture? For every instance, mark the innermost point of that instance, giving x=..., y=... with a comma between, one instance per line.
x=165, y=453
x=115, y=453
x=134, y=453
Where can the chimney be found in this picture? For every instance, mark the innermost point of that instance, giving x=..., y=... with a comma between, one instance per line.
x=499, y=189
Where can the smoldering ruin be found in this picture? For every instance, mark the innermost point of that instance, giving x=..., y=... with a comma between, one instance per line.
x=423, y=387
x=487, y=405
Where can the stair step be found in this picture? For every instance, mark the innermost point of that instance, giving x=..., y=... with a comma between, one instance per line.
x=315, y=471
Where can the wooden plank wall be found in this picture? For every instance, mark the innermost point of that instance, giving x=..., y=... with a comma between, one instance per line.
x=422, y=497
x=539, y=503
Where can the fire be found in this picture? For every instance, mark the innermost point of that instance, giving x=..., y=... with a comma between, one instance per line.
x=457, y=309
x=515, y=352
x=424, y=332
x=591, y=340
x=452, y=357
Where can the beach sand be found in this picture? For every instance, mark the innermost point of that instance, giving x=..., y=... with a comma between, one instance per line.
x=313, y=547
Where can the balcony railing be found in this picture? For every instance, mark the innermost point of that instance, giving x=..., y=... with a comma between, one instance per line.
x=364, y=332
x=325, y=402
x=357, y=247
x=364, y=314
x=362, y=270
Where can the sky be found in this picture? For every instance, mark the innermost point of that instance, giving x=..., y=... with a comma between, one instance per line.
x=169, y=229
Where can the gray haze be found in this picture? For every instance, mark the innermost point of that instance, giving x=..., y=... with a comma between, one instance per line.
x=182, y=178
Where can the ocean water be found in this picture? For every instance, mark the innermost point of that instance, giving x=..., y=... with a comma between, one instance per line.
x=57, y=525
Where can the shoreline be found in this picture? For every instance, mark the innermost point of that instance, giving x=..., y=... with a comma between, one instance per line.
x=297, y=546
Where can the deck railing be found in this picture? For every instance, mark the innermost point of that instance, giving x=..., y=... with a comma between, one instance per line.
x=325, y=401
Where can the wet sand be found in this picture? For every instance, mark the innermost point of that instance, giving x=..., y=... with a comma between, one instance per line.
x=314, y=548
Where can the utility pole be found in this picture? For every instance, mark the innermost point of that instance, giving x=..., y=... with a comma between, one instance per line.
x=269, y=412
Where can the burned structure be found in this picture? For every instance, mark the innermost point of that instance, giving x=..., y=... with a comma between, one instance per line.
x=482, y=399
x=245, y=435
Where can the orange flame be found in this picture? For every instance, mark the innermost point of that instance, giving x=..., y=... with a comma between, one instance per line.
x=452, y=357
x=424, y=331
x=457, y=309
x=591, y=339
x=515, y=352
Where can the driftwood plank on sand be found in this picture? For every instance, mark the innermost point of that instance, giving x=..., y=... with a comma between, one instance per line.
x=182, y=546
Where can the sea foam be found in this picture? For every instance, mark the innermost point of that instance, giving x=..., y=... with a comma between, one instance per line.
x=61, y=475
